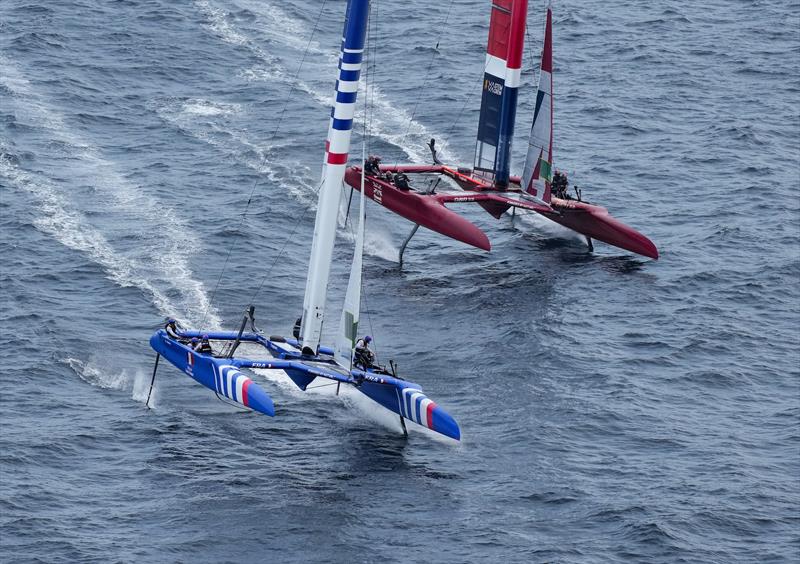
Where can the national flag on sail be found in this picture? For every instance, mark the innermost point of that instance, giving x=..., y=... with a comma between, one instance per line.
x=545, y=170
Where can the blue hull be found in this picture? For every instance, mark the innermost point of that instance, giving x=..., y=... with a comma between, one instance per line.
x=222, y=375
x=219, y=375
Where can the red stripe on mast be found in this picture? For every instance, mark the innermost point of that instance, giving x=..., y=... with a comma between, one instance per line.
x=499, y=27
x=337, y=158
x=516, y=35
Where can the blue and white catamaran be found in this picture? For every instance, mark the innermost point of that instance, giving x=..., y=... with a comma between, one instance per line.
x=303, y=358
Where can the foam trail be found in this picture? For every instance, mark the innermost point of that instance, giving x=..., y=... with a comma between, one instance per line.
x=387, y=122
x=541, y=226
x=90, y=373
x=160, y=257
x=100, y=372
x=201, y=119
x=204, y=120
x=70, y=228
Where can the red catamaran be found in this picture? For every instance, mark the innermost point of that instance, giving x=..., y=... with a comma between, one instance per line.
x=488, y=182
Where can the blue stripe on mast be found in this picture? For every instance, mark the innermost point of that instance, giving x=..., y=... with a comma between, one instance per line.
x=352, y=58
x=342, y=124
x=346, y=97
x=355, y=30
x=349, y=76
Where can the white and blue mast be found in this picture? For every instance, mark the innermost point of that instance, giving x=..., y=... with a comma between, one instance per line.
x=219, y=370
x=337, y=148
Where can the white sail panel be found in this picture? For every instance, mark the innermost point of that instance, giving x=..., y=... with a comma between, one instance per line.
x=537, y=173
x=348, y=326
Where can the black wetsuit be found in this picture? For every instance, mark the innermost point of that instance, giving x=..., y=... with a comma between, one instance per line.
x=371, y=167
x=204, y=347
x=401, y=181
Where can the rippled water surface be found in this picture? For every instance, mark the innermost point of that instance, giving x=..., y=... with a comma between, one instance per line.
x=612, y=408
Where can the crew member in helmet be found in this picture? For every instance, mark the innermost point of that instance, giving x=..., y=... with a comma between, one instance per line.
x=401, y=181
x=203, y=346
x=363, y=357
x=372, y=165
x=172, y=329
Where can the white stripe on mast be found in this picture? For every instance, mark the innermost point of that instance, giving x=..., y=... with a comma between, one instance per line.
x=336, y=149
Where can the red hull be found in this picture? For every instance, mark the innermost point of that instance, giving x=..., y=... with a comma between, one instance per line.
x=595, y=222
x=424, y=209
x=429, y=210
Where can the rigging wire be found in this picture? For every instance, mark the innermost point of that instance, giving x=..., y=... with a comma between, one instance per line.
x=469, y=97
x=369, y=67
x=264, y=160
x=427, y=76
x=369, y=110
x=283, y=247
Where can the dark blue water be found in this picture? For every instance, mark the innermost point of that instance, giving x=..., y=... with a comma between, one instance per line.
x=612, y=408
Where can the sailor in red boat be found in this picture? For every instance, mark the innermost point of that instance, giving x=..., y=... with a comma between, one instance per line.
x=559, y=185
x=372, y=165
x=363, y=357
x=401, y=180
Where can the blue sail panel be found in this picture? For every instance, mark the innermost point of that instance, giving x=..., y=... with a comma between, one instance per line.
x=489, y=123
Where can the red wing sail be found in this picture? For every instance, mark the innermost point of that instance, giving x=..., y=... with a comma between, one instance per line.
x=501, y=82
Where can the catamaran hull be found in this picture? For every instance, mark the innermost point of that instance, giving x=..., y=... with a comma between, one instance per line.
x=407, y=400
x=429, y=211
x=216, y=374
x=222, y=376
x=419, y=208
x=595, y=222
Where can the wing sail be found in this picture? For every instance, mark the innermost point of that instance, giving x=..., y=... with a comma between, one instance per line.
x=348, y=326
x=501, y=81
x=337, y=148
x=537, y=173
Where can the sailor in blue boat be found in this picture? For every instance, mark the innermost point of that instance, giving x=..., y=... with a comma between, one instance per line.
x=172, y=329
x=363, y=356
x=204, y=346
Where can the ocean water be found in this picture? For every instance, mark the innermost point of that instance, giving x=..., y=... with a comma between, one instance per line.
x=613, y=408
